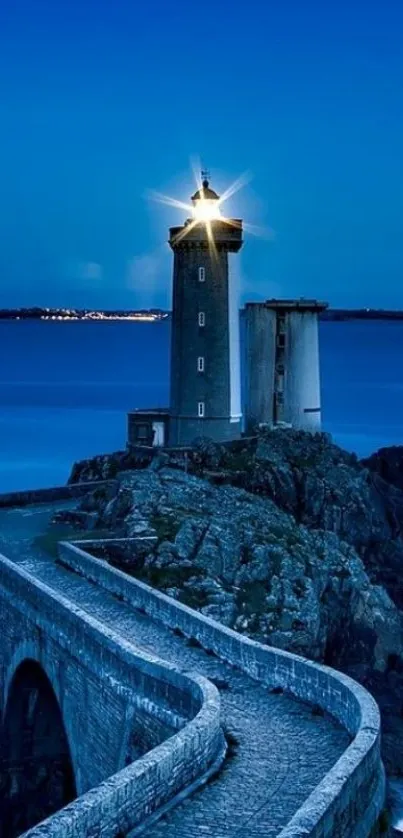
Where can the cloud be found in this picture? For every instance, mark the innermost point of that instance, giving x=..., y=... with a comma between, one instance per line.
x=85, y=271
x=91, y=270
x=148, y=276
x=249, y=288
x=253, y=291
x=143, y=270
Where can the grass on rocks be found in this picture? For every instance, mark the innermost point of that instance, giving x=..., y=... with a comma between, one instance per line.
x=47, y=542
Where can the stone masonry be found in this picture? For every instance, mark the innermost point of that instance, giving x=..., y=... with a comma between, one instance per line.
x=101, y=637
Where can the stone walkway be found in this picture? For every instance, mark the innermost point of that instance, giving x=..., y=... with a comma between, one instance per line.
x=282, y=749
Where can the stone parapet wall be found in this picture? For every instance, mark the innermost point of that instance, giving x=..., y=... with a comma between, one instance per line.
x=33, y=496
x=348, y=801
x=186, y=703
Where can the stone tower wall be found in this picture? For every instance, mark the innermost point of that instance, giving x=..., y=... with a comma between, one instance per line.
x=302, y=382
x=217, y=385
x=190, y=340
x=260, y=351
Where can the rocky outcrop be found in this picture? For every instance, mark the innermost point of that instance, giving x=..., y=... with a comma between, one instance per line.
x=105, y=466
x=284, y=537
x=246, y=562
x=388, y=464
x=322, y=487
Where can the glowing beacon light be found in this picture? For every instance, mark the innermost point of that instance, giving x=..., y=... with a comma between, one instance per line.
x=206, y=203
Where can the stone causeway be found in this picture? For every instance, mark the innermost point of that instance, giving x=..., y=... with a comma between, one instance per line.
x=178, y=726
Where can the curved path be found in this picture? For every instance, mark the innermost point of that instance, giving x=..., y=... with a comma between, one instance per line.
x=281, y=749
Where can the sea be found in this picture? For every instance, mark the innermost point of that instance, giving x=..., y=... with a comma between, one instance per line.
x=65, y=389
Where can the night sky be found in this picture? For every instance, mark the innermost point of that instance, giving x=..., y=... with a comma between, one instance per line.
x=101, y=102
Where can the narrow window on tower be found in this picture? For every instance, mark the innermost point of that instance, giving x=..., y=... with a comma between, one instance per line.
x=200, y=363
x=202, y=274
x=202, y=318
x=200, y=409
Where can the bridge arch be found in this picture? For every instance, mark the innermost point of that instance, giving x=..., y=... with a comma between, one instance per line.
x=36, y=770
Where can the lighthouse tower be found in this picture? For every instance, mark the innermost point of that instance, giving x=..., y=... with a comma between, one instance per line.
x=205, y=395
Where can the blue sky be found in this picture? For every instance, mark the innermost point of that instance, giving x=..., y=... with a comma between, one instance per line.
x=101, y=102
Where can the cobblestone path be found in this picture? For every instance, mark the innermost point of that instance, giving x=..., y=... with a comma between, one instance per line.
x=283, y=750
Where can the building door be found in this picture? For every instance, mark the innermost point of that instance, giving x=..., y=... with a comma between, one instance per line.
x=158, y=434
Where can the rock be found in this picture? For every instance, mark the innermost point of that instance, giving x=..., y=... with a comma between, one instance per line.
x=130, y=556
x=388, y=464
x=206, y=453
x=297, y=544
x=324, y=487
x=159, y=461
x=287, y=583
x=76, y=518
x=105, y=466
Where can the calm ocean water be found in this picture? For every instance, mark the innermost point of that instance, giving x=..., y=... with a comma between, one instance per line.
x=65, y=389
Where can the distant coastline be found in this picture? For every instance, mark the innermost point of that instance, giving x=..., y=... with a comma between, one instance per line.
x=153, y=315
x=37, y=313
x=361, y=314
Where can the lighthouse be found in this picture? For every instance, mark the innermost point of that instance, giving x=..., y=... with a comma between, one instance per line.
x=281, y=355
x=205, y=397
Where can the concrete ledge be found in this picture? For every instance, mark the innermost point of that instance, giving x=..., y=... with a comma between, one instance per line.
x=350, y=798
x=33, y=496
x=124, y=800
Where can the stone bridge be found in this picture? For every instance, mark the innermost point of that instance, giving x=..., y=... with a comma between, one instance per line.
x=125, y=712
